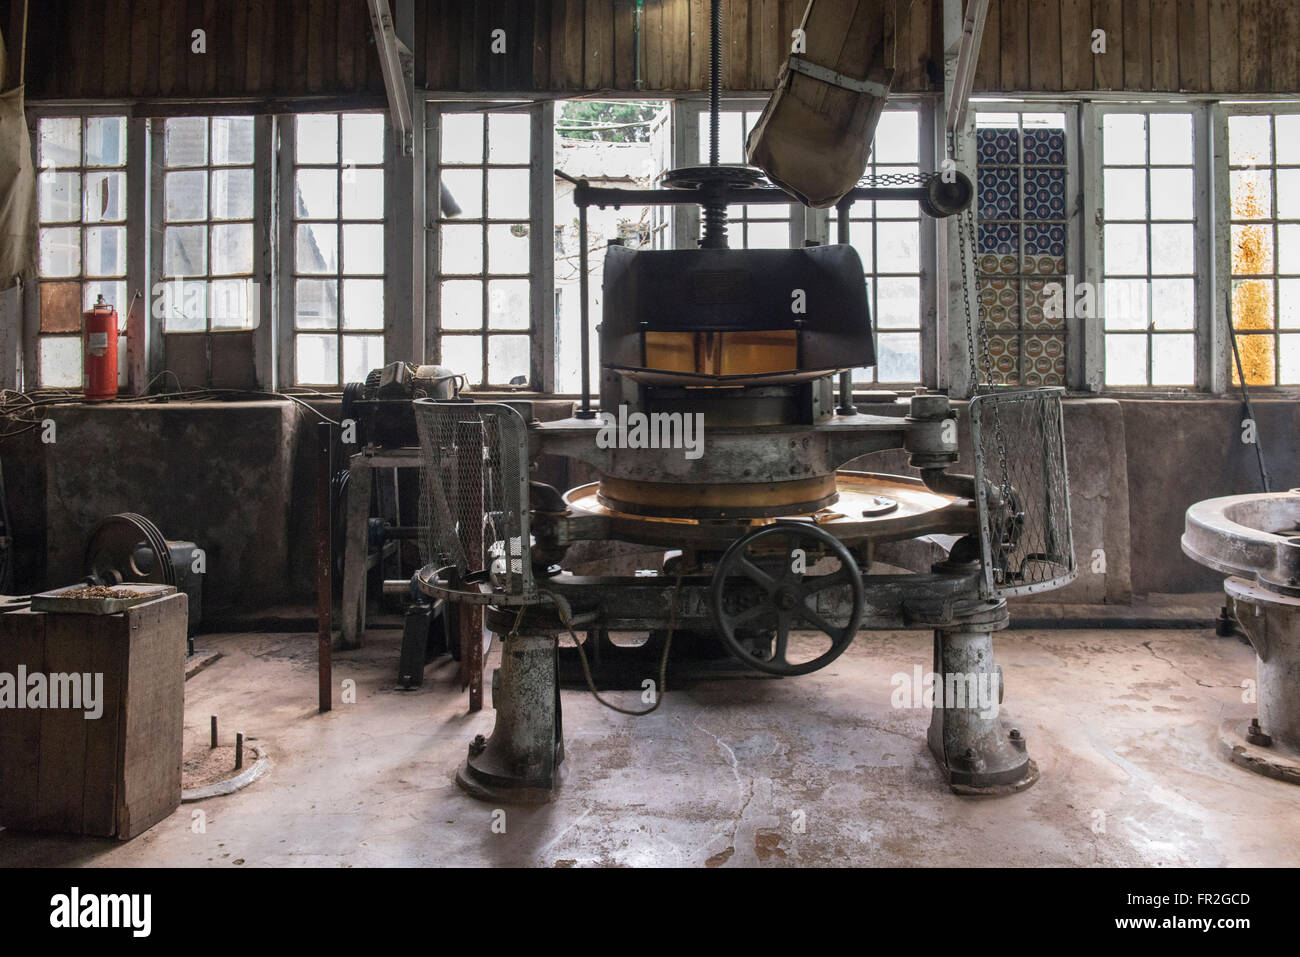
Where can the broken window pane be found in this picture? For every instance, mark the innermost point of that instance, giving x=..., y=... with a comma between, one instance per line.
x=105, y=198
x=508, y=249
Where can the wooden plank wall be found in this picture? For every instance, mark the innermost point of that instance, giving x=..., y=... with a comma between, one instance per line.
x=588, y=45
x=127, y=49
x=141, y=49
x=1190, y=46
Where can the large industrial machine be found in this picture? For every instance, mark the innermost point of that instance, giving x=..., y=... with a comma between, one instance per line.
x=720, y=443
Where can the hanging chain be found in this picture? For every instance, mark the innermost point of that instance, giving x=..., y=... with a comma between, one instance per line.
x=981, y=361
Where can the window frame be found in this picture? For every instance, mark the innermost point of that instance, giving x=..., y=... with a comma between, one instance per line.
x=1077, y=349
x=137, y=203
x=1205, y=236
x=1220, y=359
x=541, y=216
x=285, y=234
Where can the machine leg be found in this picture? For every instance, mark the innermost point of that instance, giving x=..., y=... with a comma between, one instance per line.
x=1269, y=743
x=520, y=762
x=976, y=751
x=355, y=550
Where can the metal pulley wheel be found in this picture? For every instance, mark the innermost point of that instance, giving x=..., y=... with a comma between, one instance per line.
x=128, y=548
x=786, y=596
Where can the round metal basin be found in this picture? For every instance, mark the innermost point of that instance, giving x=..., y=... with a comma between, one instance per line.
x=869, y=506
x=1250, y=536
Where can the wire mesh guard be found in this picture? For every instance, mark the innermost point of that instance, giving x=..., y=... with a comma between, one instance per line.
x=1026, y=536
x=474, y=495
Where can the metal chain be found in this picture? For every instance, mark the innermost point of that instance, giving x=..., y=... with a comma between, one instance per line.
x=981, y=359
x=896, y=179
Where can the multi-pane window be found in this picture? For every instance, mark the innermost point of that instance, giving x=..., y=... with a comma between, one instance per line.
x=338, y=246
x=887, y=236
x=82, y=235
x=758, y=226
x=207, y=237
x=484, y=260
x=1022, y=243
x=1148, y=248
x=1264, y=183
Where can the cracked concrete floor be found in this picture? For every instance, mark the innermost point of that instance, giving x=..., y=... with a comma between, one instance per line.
x=818, y=770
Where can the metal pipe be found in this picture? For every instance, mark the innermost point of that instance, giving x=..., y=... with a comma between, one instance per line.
x=715, y=76
x=324, y=568
x=636, y=42
x=586, y=195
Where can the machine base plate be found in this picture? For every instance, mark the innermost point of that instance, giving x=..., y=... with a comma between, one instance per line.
x=1276, y=761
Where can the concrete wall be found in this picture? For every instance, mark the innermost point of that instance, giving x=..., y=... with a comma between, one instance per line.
x=238, y=478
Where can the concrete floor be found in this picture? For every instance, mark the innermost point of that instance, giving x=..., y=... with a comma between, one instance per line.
x=1122, y=724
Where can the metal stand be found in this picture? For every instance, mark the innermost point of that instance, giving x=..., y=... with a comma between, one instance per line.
x=357, y=557
x=520, y=762
x=976, y=751
x=1270, y=743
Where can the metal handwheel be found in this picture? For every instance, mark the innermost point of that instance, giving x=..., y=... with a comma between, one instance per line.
x=787, y=595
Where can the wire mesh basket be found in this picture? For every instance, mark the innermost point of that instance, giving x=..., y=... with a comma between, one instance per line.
x=474, y=498
x=1025, y=531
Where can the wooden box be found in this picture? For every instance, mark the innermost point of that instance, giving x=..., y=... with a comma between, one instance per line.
x=113, y=776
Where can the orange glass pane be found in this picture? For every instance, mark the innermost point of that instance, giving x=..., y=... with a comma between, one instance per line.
x=1252, y=250
x=60, y=307
x=1256, y=360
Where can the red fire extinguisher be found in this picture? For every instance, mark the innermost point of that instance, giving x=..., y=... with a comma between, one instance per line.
x=99, y=352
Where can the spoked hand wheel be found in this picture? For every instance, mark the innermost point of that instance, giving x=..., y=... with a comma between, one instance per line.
x=788, y=596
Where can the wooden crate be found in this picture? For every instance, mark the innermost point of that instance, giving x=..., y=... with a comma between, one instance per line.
x=113, y=776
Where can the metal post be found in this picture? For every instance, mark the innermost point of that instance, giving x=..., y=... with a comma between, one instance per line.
x=584, y=311
x=324, y=568
x=469, y=463
x=214, y=731
x=846, y=406
x=239, y=750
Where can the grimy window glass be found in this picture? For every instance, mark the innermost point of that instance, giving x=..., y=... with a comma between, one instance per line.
x=337, y=266
x=887, y=235
x=207, y=236
x=1264, y=187
x=82, y=236
x=484, y=272
x=1148, y=248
